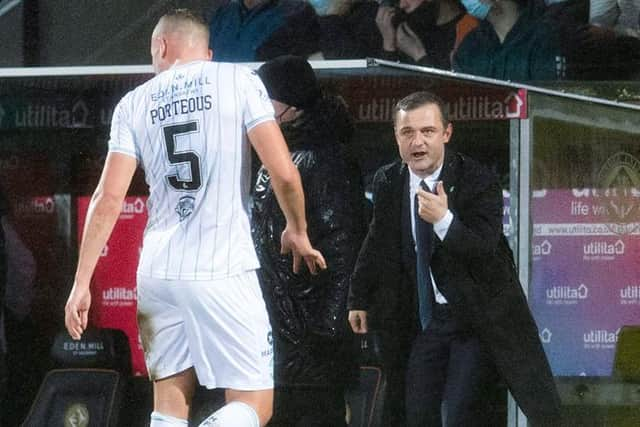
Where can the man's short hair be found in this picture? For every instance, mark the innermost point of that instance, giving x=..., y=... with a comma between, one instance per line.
x=186, y=16
x=419, y=99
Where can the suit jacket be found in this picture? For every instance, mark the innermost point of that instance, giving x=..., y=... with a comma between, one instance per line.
x=473, y=268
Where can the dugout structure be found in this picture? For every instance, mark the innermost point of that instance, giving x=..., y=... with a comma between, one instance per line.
x=569, y=167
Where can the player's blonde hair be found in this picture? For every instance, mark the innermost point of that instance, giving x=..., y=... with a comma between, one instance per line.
x=186, y=22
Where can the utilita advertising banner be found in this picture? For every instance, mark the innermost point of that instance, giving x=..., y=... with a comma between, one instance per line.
x=372, y=99
x=585, y=275
x=113, y=290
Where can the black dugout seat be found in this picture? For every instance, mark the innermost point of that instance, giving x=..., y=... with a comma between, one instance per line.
x=77, y=397
x=365, y=398
x=87, y=384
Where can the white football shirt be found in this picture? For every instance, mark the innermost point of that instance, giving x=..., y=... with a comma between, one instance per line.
x=187, y=128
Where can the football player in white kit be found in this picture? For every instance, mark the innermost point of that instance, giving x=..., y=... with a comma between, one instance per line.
x=200, y=309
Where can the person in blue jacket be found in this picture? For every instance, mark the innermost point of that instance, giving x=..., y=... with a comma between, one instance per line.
x=259, y=30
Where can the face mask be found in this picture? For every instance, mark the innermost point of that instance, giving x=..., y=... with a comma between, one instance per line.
x=476, y=8
x=321, y=6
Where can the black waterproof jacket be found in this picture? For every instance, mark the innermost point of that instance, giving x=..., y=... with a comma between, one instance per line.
x=308, y=313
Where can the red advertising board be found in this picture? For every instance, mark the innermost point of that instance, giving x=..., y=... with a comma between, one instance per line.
x=372, y=99
x=113, y=289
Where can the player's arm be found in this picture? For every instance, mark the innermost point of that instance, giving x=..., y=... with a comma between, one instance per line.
x=104, y=208
x=272, y=149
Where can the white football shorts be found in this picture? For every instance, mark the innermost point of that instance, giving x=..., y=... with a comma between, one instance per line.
x=220, y=327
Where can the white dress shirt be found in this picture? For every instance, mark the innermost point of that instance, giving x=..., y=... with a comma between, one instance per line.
x=440, y=227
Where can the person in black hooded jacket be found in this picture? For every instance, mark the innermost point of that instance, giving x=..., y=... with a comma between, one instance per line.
x=308, y=313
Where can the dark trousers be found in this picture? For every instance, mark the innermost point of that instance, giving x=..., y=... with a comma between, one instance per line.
x=309, y=407
x=449, y=376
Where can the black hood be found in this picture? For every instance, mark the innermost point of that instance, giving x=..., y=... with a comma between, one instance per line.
x=325, y=123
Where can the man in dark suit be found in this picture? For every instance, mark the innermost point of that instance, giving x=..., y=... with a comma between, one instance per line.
x=448, y=302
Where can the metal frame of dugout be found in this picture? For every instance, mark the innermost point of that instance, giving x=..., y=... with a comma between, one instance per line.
x=569, y=166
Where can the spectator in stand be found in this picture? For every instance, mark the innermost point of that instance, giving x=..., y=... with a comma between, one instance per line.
x=259, y=30
x=347, y=29
x=523, y=40
x=597, y=53
x=331, y=7
x=622, y=16
x=575, y=10
x=594, y=51
x=513, y=42
x=423, y=32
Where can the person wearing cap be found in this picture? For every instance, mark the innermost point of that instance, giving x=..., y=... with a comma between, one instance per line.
x=308, y=313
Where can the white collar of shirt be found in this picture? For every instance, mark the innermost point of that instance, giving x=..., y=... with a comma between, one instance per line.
x=414, y=184
x=414, y=181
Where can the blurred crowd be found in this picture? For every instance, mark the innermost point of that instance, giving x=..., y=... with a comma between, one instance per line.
x=518, y=40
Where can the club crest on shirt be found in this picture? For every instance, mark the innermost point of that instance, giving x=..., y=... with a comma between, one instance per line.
x=185, y=206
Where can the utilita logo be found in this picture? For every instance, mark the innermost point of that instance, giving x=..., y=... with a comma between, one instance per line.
x=601, y=336
x=568, y=294
x=119, y=294
x=53, y=116
x=36, y=206
x=119, y=297
x=630, y=295
x=542, y=249
x=604, y=248
x=129, y=209
x=602, y=193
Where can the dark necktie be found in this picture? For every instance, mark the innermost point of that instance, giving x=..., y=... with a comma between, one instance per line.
x=424, y=238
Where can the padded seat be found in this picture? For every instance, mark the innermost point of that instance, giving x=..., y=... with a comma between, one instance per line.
x=78, y=398
x=88, y=382
x=101, y=348
x=365, y=398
